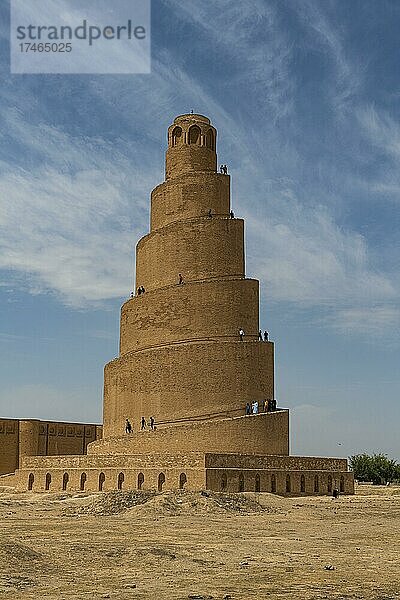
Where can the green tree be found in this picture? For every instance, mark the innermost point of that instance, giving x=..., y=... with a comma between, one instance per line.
x=384, y=469
x=361, y=465
x=377, y=468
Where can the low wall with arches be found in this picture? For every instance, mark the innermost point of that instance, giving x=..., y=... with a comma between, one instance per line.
x=283, y=475
x=286, y=476
x=106, y=480
x=107, y=473
x=281, y=482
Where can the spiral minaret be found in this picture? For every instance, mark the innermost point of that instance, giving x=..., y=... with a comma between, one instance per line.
x=181, y=356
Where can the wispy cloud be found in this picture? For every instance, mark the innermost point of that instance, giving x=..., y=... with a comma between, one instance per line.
x=347, y=73
x=308, y=259
x=259, y=51
x=373, y=320
x=382, y=130
x=67, y=227
x=380, y=155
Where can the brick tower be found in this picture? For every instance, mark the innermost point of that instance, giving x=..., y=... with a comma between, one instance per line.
x=181, y=356
x=183, y=361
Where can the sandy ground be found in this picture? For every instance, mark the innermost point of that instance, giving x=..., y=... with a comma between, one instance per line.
x=187, y=546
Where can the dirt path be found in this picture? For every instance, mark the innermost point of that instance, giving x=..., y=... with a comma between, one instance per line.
x=180, y=546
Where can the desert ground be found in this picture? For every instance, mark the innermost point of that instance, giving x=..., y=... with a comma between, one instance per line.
x=186, y=545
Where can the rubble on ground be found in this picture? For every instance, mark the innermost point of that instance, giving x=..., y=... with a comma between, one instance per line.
x=167, y=503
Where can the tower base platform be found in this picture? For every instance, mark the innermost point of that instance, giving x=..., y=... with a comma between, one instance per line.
x=264, y=433
x=164, y=460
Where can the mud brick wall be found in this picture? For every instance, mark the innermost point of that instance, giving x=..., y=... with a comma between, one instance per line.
x=70, y=480
x=119, y=472
x=66, y=438
x=308, y=463
x=8, y=445
x=207, y=310
x=143, y=472
x=282, y=482
x=190, y=196
x=261, y=434
x=192, y=460
x=199, y=249
x=19, y=438
x=186, y=381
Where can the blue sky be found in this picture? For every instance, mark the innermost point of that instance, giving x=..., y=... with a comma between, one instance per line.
x=305, y=97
